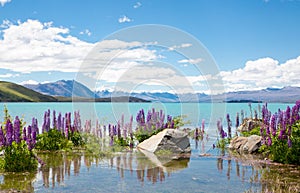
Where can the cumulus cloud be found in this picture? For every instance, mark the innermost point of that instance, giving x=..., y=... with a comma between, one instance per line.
x=35, y=46
x=137, y=5
x=124, y=19
x=86, y=32
x=263, y=73
x=3, y=2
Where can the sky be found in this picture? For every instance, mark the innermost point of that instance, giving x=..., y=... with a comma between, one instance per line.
x=202, y=46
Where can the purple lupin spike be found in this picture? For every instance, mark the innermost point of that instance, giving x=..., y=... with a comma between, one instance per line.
x=2, y=137
x=54, y=121
x=16, y=130
x=24, y=134
x=237, y=121
x=59, y=122
x=228, y=125
x=9, y=132
x=44, y=123
x=273, y=124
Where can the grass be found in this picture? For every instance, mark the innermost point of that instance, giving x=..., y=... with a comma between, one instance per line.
x=10, y=92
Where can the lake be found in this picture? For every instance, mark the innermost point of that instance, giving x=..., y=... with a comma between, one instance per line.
x=134, y=172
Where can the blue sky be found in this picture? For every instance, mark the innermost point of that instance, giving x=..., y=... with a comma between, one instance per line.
x=255, y=43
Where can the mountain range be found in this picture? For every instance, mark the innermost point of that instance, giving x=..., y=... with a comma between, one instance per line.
x=72, y=88
x=11, y=92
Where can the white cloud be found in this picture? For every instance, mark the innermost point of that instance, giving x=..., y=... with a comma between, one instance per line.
x=191, y=61
x=5, y=24
x=124, y=19
x=9, y=75
x=29, y=82
x=137, y=5
x=86, y=32
x=184, y=45
x=263, y=73
x=3, y=2
x=35, y=46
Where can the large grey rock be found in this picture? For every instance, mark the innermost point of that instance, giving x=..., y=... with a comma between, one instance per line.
x=237, y=142
x=173, y=140
x=249, y=124
x=245, y=144
x=253, y=143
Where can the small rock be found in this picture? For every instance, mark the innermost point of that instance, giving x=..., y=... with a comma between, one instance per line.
x=249, y=124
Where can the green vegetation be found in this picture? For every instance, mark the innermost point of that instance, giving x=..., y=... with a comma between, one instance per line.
x=52, y=140
x=18, y=158
x=255, y=131
x=10, y=92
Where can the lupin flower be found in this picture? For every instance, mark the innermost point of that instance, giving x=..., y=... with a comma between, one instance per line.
x=288, y=115
x=34, y=125
x=48, y=121
x=229, y=124
x=9, y=132
x=30, y=141
x=273, y=124
x=237, y=121
x=24, y=134
x=44, y=123
x=119, y=130
x=54, y=122
x=59, y=122
x=2, y=138
x=269, y=143
x=222, y=133
x=16, y=130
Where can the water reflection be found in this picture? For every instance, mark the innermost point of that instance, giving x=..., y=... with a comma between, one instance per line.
x=272, y=177
x=15, y=181
x=154, y=168
x=61, y=165
x=67, y=169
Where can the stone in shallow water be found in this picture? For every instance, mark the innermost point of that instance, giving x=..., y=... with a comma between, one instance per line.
x=253, y=143
x=245, y=144
x=237, y=142
x=173, y=140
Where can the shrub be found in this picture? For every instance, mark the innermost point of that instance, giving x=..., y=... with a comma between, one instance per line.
x=52, y=140
x=17, y=146
x=19, y=158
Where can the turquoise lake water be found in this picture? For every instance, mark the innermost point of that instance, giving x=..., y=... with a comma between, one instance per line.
x=111, y=112
x=133, y=172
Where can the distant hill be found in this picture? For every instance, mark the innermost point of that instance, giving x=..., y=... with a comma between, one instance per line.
x=281, y=95
x=11, y=92
x=106, y=99
x=65, y=88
